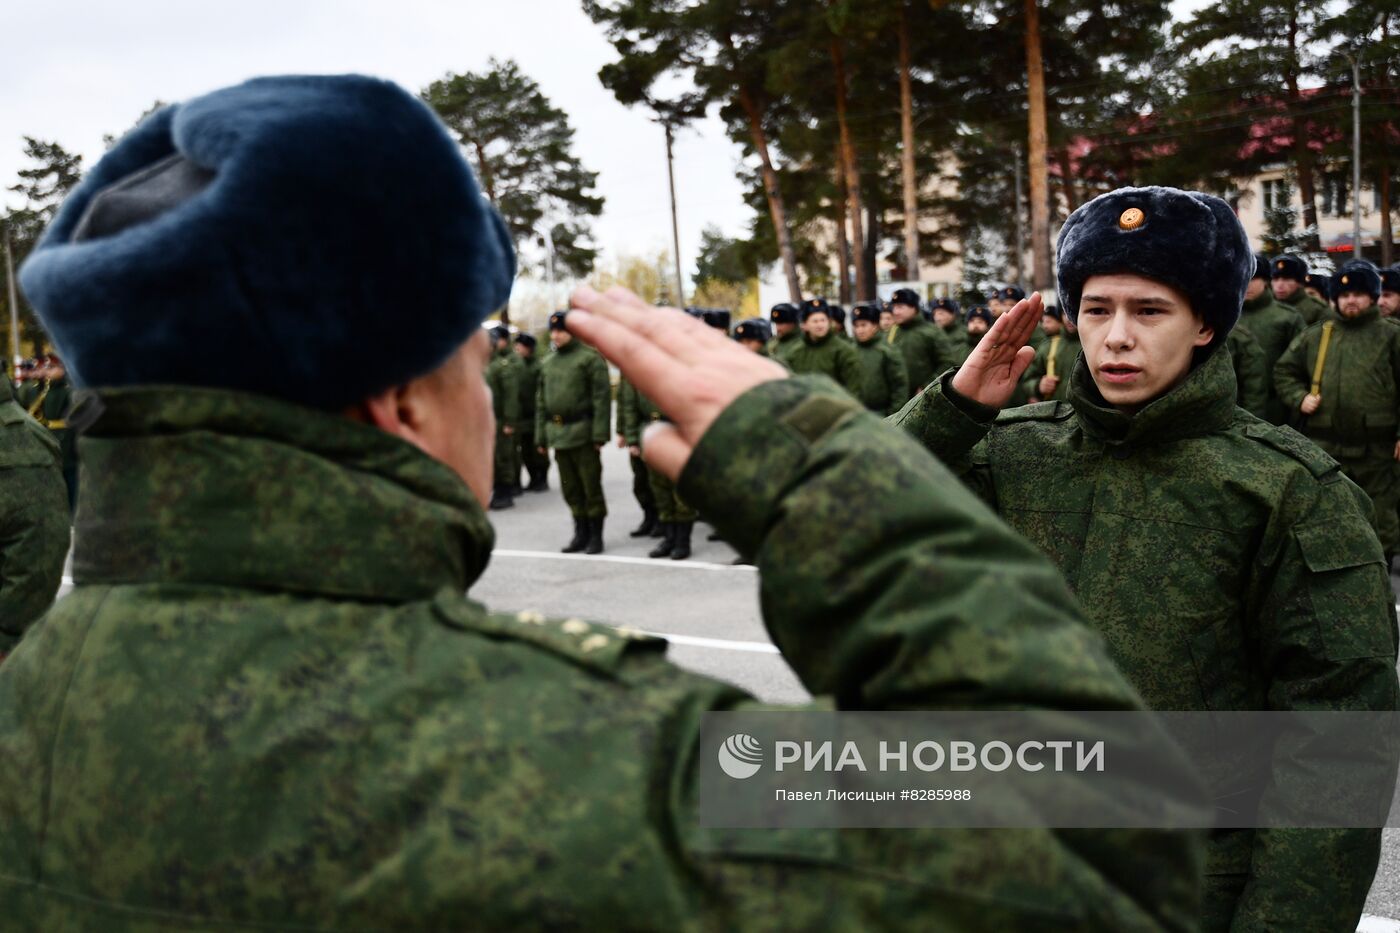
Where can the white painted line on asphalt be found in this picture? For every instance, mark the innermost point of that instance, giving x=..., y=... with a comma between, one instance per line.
x=1378, y=925
x=614, y=559
x=723, y=644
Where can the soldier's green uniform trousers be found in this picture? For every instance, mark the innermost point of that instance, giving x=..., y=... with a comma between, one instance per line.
x=507, y=466
x=581, y=480
x=642, y=484
x=670, y=507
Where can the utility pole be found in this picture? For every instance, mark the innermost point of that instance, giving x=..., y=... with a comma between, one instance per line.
x=14, y=303
x=1039, y=169
x=1020, y=224
x=675, y=223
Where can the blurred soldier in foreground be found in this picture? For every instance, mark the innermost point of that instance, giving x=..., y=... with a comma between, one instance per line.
x=1227, y=563
x=536, y=464
x=1288, y=281
x=573, y=410
x=1342, y=376
x=1273, y=325
x=926, y=351
x=34, y=519
x=786, y=335
x=884, y=386
x=1047, y=378
x=503, y=376
x=301, y=722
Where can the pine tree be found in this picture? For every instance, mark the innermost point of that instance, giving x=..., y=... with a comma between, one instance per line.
x=43, y=185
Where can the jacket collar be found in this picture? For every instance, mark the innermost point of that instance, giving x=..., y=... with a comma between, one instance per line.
x=189, y=485
x=1204, y=402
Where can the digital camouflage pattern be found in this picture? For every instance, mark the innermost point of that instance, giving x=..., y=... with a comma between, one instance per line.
x=34, y=518
x=1309, y=308
x=573, y=404
x=926, y=351
x=884, y=384
x=1064, y=347
x=1358, y=421
x=831, y=357
x=1228, y=565
x=1274, y=326
x=267, y=702
x=1252, y=376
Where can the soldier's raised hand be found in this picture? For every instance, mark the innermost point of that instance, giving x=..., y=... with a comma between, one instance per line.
x=994, y=367
x=691, y=370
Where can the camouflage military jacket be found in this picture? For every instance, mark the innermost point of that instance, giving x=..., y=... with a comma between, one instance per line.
x=634, y=412
x=780, y=347
x=1227, y=563
x=1252, y=377
x=267, y=704
x=1360, y=407
x=1063, y=348
x=927, y=352
x=1274, y=326
x=503, y=375
x=831, y=356
x=529, y=385
x=34, y=519
x=573, y=404
x=884, y=385
x=1309, y=308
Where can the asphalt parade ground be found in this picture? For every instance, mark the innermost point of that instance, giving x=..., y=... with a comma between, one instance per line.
x=706, y=607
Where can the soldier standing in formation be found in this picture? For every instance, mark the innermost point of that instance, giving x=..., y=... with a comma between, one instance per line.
x=1316, y=285
x=1047, y=378
x=884, y=385
x=34, y=518
x=1252, y=376
x=886, y=318
x=536, y=464
x=754, y=335
x=1342, y=376
x=1273, y=325
x=47, y=396
x=503, y=376
x=926, y=351
x=786, y=335
x=573, y=411
x=627, y=399
x=675, y=520
x=1290, y=276
x=821, y=352
x=947, y=317
x=838, y=322
x=979, y=321
x=1389, y=302
x=1151, y=465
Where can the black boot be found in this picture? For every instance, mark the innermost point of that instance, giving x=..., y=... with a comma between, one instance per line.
x=668, y=538
x=501, y=499
x=539, y=482
x=658, y=530
x=648, y=523
x=680, y=542
x=580, y=537
x=595, y=536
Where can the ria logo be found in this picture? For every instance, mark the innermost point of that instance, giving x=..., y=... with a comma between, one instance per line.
x=741, y=756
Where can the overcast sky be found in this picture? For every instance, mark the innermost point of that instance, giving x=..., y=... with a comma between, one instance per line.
x=71, y=73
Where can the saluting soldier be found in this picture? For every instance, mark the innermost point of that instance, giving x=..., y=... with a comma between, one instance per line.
x=1226, y=562
x=1273, y=325
x=650, y=526
x=1289, y=280
x=573, y=410
x=1342, y=376
x=926, y=351
x=1047, y=378
x=503, y=376
x=884, y=385
x=786, y=335
x=536, y=464
x=820, y=352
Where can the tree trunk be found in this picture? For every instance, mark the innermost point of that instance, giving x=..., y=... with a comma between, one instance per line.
x=488, y=181
x=873, y=211
x=1383, y=187
x=848, y=154
x=911, y=184
x=843, y=249
x=1302, y=155
x=1039, y=170
x=774, y=195
x=1067, y=178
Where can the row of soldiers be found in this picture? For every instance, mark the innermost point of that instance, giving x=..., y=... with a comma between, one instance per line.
x=41, y=387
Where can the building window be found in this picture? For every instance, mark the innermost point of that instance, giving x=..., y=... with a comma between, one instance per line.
x=1273, y=194
x=1336, y=190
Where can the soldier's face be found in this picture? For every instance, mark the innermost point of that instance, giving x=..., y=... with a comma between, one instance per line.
x=1254, y=289
x=886, y=319
x=976, y=326
x=903, y=313
x=560, y=337
x=1390, y=303
x=1138, y=337
x=783, y=329
x=1316, y=293
x=817, y=325
x=1353, y=303
x=942, y=317
x=864, y=330
x=523, y=351
x=1050, y=324
x=1284, y=288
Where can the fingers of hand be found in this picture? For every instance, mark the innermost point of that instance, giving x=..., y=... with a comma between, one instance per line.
x=676, y=332
x=1023, y=359
x=645, y=363
x=665, y=450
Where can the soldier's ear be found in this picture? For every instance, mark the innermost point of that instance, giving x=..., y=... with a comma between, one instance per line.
x=1204, y=334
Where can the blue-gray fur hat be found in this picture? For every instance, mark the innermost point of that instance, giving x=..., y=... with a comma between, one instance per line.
x=1188, y=240
x=314, y=238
